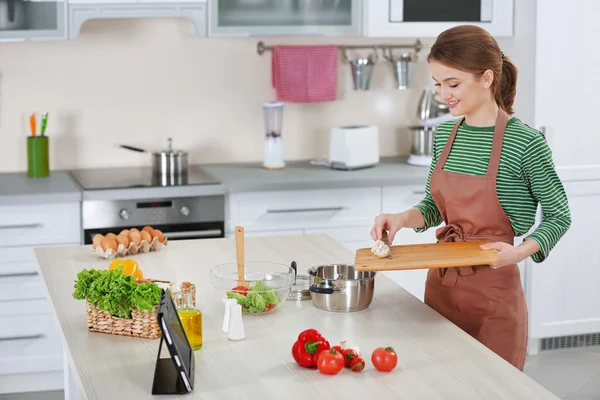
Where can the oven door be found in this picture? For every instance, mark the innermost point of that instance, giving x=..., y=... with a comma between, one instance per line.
x=465, y=11
x=429, y=18
x=203, y=230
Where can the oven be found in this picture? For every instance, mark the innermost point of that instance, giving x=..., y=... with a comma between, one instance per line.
x=181, y=218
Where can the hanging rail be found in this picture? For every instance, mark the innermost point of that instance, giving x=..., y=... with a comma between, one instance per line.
x=417, y=46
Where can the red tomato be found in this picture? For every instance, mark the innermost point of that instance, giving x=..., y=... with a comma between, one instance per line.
x=357, y=365
x=384, y=358
x=241, y=290
x=349, y=356
x=339, y=349
x=330, y=362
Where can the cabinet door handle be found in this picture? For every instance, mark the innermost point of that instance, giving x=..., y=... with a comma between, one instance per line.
x=419, y=191
x=16, y=274
x=23, y=226
x=302, y=210
x=26, y=337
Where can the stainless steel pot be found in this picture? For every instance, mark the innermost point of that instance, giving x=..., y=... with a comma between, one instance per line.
x=168, y=166
x=421, y=140
x=339, y=288
x=12, y=14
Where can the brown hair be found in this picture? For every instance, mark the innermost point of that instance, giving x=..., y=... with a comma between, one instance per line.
x=472, y=49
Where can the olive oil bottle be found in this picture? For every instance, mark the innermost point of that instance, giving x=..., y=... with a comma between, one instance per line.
x=191, y=319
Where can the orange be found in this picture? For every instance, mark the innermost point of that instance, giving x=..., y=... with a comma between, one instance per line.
x=130, y=267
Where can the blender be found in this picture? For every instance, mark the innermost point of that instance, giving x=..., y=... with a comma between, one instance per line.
x=273, y=151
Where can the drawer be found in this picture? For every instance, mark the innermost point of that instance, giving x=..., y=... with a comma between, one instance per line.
x=299, y=209
x=19, y=275
x=287, y=232
x=25, y=307
x=396, y=199
x=40, y=224
x=346, y=234
x=22, y=286
x=30, y=343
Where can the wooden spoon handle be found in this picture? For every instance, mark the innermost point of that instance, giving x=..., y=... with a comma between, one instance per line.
x=239, y=252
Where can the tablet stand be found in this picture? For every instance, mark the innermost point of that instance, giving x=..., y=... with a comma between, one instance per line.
x=166, y=378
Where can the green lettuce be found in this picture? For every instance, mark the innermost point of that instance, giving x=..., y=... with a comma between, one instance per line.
x=255, y=301
x=115, y=292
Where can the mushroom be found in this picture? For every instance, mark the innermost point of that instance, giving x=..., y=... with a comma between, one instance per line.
x=380, y=249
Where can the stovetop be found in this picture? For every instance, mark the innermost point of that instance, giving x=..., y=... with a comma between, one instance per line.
x=137, y=177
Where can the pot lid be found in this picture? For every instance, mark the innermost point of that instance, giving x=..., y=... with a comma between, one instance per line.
x=299, y=290
x=170, y=151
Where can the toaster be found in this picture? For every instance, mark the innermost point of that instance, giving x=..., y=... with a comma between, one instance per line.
x=354, y=147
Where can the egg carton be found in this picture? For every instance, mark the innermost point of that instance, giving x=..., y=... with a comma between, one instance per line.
x=122, y=251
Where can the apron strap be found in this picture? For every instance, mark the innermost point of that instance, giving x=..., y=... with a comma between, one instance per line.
x=444, y=156
x=499, y=129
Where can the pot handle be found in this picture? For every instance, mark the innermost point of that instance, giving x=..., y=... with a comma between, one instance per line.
x=126, y=147
x=11, y=10
x=295, y=268
x=321, y=290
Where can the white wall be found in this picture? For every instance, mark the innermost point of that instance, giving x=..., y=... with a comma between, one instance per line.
x=141, y=81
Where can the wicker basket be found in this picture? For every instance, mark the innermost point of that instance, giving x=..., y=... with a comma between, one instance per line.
x=142, y=324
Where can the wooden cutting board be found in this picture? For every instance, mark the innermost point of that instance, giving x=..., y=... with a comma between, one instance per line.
x=432, y=255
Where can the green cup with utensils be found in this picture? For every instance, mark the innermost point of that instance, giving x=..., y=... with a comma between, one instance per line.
x=38, y=165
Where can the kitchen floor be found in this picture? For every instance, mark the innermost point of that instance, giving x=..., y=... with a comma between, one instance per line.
x=572, y=374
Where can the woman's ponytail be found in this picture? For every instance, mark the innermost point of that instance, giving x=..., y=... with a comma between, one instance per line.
x=507, y=89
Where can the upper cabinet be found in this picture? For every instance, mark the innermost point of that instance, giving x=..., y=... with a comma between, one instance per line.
x=428, y=18
x=22, y=20
x=285, y=17
x=81, y=11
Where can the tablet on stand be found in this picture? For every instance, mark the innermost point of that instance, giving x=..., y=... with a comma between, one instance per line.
x=175, y=374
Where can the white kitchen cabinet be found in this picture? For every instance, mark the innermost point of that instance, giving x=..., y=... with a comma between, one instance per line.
x=564, y=290
x=31, y=353
x=415, y=18
x=302, y=209
x=81, y=11
x=570, y=126
x=34, y=20
x=285, y=17
x=352, y=238
x=285, y=232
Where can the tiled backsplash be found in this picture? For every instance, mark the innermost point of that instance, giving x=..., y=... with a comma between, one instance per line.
x=141, y=81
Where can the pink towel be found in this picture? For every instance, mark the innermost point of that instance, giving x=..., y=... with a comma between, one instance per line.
x=304, y=74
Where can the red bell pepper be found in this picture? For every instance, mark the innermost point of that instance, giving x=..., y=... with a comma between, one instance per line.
x=308, y=346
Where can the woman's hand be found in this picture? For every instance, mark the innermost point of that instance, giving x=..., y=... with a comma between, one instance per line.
x=507, y=254
x=390, y=223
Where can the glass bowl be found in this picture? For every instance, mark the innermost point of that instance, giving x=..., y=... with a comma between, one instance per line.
x=269, y=284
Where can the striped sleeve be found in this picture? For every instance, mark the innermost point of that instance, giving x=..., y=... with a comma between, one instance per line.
x=547, y=188
x=427, y=206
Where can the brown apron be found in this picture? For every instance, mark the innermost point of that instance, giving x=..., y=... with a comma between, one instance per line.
x=489, y=304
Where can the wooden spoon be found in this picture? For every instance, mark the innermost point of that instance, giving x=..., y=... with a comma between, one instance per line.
x=239, y=251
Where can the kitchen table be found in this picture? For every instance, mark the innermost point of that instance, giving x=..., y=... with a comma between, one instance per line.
x=436, y=359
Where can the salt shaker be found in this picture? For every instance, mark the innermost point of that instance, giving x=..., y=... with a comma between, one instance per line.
x=227, y=317
x=236, y=324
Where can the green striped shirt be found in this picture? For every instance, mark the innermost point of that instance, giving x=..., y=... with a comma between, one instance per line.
x=526, y=177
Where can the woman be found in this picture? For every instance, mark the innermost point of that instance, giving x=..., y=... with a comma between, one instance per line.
x=488, y=174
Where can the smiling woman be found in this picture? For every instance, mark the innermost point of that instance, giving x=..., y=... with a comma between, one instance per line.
x=488, y=175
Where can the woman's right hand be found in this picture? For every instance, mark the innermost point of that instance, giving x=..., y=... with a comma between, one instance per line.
x=390, y=223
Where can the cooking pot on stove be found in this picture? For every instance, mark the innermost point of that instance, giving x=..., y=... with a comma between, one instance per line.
x=12, y=14
x=340, y=288
x=169, y=166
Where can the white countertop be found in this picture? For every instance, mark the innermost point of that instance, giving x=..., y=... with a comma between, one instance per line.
x=436, y=359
